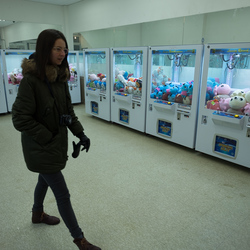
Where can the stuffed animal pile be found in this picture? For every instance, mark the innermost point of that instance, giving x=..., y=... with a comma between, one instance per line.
x=73, y=73
x=96, y=81
x=124, y=82
x=15, y=77
x=222, y=97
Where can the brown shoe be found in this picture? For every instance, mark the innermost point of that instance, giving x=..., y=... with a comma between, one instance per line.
x=41, y=217
x=83, y=244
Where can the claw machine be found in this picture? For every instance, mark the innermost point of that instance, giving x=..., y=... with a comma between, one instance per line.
x=3, y=103
x=129, y=86
x=74, y=81
x=173, y=91
x=224, y=110
x=97, y=82
x=12, y=72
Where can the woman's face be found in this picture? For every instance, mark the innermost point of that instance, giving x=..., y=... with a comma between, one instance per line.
x=59, y=51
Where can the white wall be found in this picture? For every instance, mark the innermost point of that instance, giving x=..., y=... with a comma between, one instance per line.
x=100, y=14
x=31, y=18
x=92, y=15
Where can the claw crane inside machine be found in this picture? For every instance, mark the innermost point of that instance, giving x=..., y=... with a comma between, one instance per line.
x=173, y=92
x=74, y=81
x=3, y=103
x=129, y=85
x=12, y=72
x=224, y=121
x=97, y=83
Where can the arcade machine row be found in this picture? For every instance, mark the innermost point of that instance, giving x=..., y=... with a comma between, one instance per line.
x=129, y=86
x=97, y=82
x=12, y=72
x=3, y=103
x=174, y=74
x=74, y=81
x=223, y=122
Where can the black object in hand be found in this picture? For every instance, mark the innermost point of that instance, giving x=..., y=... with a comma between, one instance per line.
x=84, y=141
x=76, y=149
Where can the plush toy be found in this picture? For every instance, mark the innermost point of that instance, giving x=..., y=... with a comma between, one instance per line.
x=179, y=98
x=184, y=89
x=190, y=91
x=103, y=85
x=213, y=104
x=247, y=97
x=222, y=91
x=187, y=100
x=93, y=77
x=224, y=104
x=238, y=93
x=246, y=109
x=236, y=104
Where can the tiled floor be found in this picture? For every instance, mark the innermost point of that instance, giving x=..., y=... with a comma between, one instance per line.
x=130, y=191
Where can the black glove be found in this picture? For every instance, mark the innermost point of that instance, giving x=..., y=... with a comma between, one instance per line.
x=84, y=141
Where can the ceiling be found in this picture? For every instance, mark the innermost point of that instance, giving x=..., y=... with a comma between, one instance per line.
x=57, y=2
x=4, y=23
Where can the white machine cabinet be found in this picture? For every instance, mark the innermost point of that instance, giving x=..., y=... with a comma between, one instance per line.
x=3, y=103
x=97, y=82
x=174, y=74
x=129, y=86
x=74, y=81
x=224, y=122
x=12, y=72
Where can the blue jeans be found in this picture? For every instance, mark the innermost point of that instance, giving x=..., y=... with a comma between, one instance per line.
x=58, y=186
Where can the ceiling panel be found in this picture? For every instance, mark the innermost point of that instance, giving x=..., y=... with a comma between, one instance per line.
x=57, y=2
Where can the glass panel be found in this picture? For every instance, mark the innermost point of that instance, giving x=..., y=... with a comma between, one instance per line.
x=96, y=70
x=128, y=72
x=228, y=84
x=172, y=75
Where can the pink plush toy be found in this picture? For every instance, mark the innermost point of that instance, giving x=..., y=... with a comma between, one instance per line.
x=246, y=109
x=223, y=90
x=93, y=77
x=224, y=104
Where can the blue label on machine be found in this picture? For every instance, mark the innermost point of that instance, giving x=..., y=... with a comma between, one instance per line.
x=225, y=146
x=228, y=115
x=164, y=128
x=230, y=51
x=94, y=107
x=124, y=116
x=179, y=51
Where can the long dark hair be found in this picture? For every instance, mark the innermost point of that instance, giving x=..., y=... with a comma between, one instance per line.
x=44, y=45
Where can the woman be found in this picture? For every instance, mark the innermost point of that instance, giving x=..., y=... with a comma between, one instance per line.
x=42, y=113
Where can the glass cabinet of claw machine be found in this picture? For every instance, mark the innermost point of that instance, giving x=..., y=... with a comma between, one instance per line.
x=74, y=81
x=97, y=82
x=224, y=123
x=12, y=72
x=173, y=92
x=129, y=85
x=3, y=103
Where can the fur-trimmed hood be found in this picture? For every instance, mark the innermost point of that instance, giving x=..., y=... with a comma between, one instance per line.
x=52, y=72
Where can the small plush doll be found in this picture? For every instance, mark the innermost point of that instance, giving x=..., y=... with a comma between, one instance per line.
x=93, y=77
x=238, y=92
x=184, y=89
x=222, y=91
x=246, y=109
x=213, y=104
x=237, y=104
x=224, y=104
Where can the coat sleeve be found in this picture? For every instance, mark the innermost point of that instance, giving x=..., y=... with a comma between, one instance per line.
x=23, y=114
x=76, y=127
